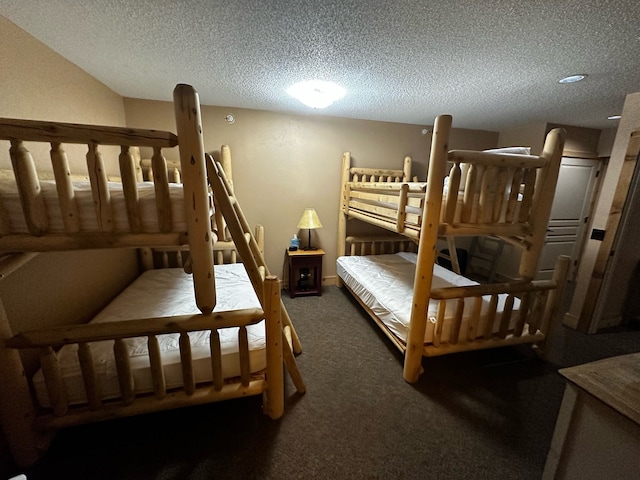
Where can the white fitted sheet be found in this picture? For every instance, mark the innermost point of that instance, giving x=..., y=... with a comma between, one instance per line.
x=11, y=207
x=384, y=283
x=163, y=293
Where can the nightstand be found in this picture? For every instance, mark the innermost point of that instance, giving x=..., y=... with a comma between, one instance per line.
x=304, y=272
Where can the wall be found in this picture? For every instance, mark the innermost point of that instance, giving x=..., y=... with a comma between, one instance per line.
x=620, y=270
x=614, y=289
x=607, y=138
x=531, y=135
x=283, y=163
x=580, y=142
x=67, y=287
x=38, y=84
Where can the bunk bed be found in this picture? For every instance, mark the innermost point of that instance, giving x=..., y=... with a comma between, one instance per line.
x=423, y=308
x=201, y=328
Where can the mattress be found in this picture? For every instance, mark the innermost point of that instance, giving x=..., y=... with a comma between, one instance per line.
x=12, y=210
x=384, y=283
x=163, y=293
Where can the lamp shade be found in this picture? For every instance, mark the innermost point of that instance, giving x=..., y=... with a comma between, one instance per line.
x=309, y=219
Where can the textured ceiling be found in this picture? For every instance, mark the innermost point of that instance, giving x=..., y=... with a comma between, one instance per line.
x=493, y=65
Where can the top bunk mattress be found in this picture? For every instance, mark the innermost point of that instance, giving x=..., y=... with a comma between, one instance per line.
x=163, y=293
x=384, y=283
x=12, y=219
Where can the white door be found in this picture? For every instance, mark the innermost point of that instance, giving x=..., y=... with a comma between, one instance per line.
x=569, y=214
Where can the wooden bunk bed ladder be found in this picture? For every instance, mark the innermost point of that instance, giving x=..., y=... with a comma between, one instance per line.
x=257, y=268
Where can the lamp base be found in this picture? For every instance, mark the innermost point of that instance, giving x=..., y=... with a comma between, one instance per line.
x=309, y=248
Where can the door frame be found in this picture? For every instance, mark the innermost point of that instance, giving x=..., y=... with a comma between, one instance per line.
x=587, y=322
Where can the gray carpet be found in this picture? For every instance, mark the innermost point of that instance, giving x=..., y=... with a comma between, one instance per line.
x=476, y=415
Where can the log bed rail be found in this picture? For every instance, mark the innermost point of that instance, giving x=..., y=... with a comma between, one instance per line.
x=479, y=203
x=49, y=340
x=57, y=134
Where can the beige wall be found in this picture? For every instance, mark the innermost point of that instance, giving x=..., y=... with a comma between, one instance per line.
x=38, y=84
x=283, y=163
x=531, y=135
x=607, y=138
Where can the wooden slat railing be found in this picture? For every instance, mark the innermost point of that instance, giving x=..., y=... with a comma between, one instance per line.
x=526, y=313
x=495, y=195
x=56, y=133
x=83, y=335
x=374, y=245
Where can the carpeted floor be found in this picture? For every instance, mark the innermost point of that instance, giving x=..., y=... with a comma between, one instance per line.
x=479, y=415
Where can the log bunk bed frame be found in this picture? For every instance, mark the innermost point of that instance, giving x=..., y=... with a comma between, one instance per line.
x=486, y=193
x=206, y=239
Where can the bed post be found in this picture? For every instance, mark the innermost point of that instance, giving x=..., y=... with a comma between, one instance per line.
x=554, y=300
x=427, y=250
x=406, y=168
x=342, y=216
x=274, y=395
x=192, y=162
x=541, y=208
x=225, y=161
x=17, y=414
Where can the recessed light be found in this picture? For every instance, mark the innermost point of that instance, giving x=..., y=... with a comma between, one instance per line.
x=614, y=117
x=573, y=78
x=316, y=93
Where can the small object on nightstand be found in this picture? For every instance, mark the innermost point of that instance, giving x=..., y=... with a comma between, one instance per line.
x=304, y=272
x=295, y=243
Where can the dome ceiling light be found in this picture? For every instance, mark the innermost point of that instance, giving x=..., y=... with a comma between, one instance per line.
x=316, y=93
x=573, y=78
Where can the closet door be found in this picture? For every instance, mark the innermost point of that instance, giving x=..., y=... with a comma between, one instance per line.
x=570, y=214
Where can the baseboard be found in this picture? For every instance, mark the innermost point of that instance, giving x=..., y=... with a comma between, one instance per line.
x=330, y=280
x=326, y=281
x=570, y=320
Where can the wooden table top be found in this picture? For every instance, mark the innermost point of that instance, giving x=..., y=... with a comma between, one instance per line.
x=302, y=252
x=615, y=381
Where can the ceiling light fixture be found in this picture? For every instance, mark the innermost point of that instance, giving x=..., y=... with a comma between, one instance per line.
x=614, y=117
x=316, y=93
x=573, y=78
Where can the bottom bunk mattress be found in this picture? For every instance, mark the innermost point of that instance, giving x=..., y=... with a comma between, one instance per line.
x=384, y=283
x=164, y=293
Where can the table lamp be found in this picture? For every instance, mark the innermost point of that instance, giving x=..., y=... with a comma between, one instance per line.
x=309, y=221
